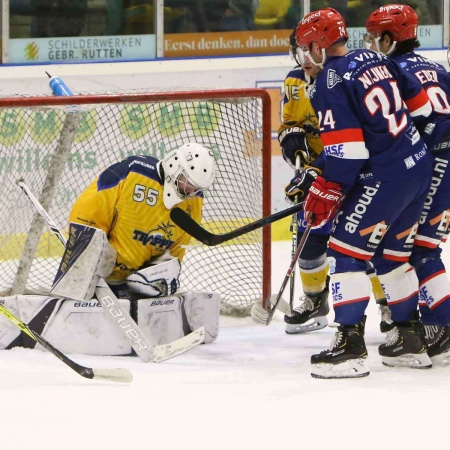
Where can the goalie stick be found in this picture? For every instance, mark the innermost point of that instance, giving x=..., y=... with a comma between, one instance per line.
x=117, y=313
x=182, y=219
x=119, y=375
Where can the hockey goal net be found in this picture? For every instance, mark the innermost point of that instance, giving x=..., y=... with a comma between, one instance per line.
x=59, y=145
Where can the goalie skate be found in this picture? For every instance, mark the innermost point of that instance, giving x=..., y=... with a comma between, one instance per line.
x=311, y=315
x=405, y=347
x=346, y=356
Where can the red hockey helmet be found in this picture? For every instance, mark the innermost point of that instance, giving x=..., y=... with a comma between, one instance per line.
x=400, y=20
x=325, y=26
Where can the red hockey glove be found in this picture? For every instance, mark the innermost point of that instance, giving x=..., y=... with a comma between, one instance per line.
x=323, y=201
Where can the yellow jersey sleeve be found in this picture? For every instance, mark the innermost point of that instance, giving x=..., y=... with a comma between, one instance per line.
x=297, y=108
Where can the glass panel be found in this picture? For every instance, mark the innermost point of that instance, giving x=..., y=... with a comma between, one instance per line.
x=97, y=30
x=356, y=12
x=81, y=30
x=229, y=27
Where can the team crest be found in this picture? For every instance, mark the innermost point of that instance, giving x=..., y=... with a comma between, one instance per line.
x=159, y=237
x=332, y=78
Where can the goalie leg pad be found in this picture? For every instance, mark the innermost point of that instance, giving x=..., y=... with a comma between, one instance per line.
x=34, y=310
x=203, y=310
x=163, y=320
x=83, y=327
x=169, y=318
x=88, y=255
x=70, y=325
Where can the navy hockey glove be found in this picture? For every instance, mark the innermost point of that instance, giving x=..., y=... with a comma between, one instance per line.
x=299, y=185
x=293, y=141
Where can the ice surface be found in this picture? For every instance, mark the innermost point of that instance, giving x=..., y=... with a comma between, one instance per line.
x=251, y=389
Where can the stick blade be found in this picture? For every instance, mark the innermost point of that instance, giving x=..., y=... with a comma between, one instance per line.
x=175, y=348
x=117, y=375
x=183, y=220
x=282, y=306
x=261, y=315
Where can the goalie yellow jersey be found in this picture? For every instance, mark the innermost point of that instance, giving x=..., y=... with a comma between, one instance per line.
x=126, y=201
x=297, y=109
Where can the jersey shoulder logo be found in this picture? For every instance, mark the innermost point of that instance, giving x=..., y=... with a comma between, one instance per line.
x=332, y=78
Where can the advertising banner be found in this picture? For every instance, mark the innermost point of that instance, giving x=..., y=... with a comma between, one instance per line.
x=83, y=49
x=119, y=48
x=266, y=41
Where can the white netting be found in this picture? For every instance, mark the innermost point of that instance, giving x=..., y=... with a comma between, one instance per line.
x=58, y=154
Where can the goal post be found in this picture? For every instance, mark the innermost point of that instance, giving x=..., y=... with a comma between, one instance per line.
x=59, y=145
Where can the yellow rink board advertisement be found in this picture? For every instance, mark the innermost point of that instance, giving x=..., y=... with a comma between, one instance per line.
x=230, y=43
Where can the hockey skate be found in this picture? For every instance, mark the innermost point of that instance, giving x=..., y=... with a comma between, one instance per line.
x=311, y=315
x=346, y=356
x=405, y=347
x=438, y=340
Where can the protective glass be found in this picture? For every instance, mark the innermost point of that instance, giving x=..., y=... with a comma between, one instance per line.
x=370, y=38
x=303, y=55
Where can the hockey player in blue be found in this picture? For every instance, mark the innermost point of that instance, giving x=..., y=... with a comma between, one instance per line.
x=376, y=178
x=392, y=30
x=299, y=135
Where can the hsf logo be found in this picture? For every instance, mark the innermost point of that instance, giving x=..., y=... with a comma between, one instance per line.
x=336, y=292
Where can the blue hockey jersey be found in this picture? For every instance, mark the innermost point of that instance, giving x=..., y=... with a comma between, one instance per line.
x=365, y=105
x=436, y=82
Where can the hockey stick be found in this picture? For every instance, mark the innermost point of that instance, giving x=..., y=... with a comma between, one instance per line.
x=119, y=375
x=116, y=312
x=300, y=246
x=182, y=219
x=294, y=230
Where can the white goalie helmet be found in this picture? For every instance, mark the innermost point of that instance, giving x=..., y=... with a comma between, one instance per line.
x=187, y=171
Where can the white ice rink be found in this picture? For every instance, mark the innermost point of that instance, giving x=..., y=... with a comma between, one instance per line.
x=251, y=389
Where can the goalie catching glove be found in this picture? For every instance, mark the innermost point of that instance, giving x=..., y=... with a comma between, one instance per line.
x=293, y=141
x=157, y=280
x=299, y=186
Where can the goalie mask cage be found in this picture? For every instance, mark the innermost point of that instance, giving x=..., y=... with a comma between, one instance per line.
x=59, y=145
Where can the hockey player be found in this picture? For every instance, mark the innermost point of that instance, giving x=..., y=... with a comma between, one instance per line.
x=120, y=229
x=377, y=174
x=299, y=135
x=392, y=30
x=131, y=200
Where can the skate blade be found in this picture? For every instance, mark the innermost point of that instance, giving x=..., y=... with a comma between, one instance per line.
x=317, y=324
x=353, y=368
x=411, y=360
x=441, y=360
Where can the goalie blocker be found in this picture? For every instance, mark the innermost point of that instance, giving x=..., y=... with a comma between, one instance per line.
x=80, y=326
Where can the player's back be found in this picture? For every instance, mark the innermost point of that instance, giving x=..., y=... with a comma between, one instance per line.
x=436, y=82
x=360, y=101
